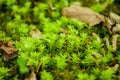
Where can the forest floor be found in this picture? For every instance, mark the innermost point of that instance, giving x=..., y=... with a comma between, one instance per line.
x=59, y=39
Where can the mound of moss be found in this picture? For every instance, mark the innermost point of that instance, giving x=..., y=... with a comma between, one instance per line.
x=53, y=47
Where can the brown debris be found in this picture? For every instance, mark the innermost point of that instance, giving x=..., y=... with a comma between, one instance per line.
x=114, y=42
x=115, y=17
x=32, y=76
x=113, y=62
x=113, y=23
x=96, y=55
x=62, y=30
x=115, y=67
x=109, y=23
x=7, y=50
x=84, y=14
x=35, y=34
x=116, y=29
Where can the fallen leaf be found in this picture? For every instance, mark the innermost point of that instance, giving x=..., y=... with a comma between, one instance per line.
x=35, y=34
x=115, y=67
x=7, y=50
x=32, y=76
x=62, y=30
x=116, y=28
x=115, y=17
x=96, y=55
x=84, y=14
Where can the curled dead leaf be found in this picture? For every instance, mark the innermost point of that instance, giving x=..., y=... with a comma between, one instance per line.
x=84, y=14
x=35, y=34
x=7, y=50
x=32, y=76
x=115, y=17
x=96, y=55
x=62, y=30
x=115, y=67
x=116, y=28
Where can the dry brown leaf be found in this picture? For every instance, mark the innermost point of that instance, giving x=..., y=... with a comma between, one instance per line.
x=96, y=55
x=115, y=17
x=62, y=30
x=7, y=50
x=116, y=28
x=32, y=76
x=84, y=14
x=35, y=34
x=115, y=67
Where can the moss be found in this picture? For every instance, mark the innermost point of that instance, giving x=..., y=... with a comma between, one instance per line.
x=64, y=49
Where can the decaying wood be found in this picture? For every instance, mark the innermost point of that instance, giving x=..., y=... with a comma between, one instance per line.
x=114, y=42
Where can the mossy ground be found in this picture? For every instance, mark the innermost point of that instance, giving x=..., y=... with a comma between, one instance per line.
x=67, y=50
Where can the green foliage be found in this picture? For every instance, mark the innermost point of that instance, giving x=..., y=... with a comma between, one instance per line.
x=22, y=65
x=16, y=31
x=10, y=2
x=46, y=75
x=26, y=44
x=107, y=75
x=33, y=59
x=66, y=45
x=45, y=60
x=2, y=35
x=85, y=76
x=4, y=72
x=60, y=61
x=97, y=44
x=98, y=8
x=106, y=58
x=40, y=9
x=96, y=72
x=75, y=58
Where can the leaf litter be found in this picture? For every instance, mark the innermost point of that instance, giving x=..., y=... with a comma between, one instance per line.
x=32, y=76
x=35, y=33
x=92, y=18
x=84, y=14
x=7, y=50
